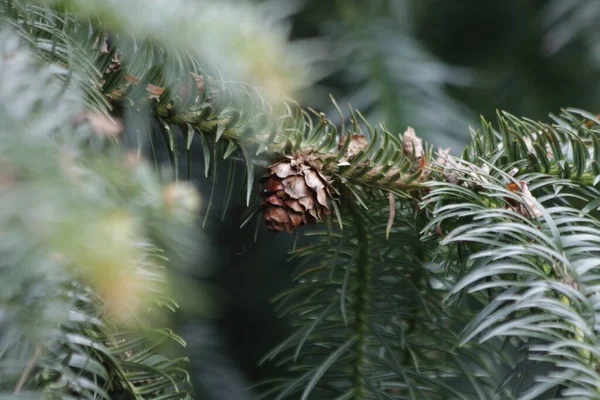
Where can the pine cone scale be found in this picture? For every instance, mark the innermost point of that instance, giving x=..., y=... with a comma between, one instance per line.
x=307, y=202
x=322, y=197
x=296, y=187
x=273, y=199
x=283, y=170
x=295, y=205
x=274, y=185
x=313, y=180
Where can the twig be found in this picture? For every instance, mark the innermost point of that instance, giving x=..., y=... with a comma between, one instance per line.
x=28, y=368
x=392, y=214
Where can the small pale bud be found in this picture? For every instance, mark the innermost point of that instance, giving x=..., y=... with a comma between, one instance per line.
x=101, y=124
x=357, y=144
x=442, y=156
x=119, y=226
x=532, y=209
x=412, y=144
x=449, y=164
x=529, y=145
x=450, y=170
x=182, y=196
x=199, y=81
x=478, y=176
x=549, y=152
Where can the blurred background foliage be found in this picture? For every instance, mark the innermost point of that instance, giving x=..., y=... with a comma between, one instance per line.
x=436, y=65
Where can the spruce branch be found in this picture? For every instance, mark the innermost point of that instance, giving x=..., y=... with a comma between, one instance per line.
x=385, y=162
x=361, y=302
x=247, y=43
x=355, y=287
x=498, y=179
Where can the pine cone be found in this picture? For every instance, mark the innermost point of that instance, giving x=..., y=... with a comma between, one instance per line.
x=296, y=192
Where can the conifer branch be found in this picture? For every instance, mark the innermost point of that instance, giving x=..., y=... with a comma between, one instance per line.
x=508, y=257
x=361, y=302
x=81, y=292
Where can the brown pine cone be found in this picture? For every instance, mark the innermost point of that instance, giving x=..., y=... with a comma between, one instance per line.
x=296, y=192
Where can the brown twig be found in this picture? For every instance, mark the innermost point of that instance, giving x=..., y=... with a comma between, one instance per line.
x=28, y=369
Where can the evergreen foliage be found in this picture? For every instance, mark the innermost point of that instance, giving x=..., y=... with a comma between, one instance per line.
x=435, y=277
x=78, y=260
